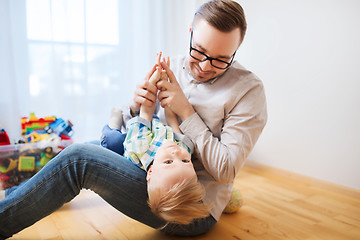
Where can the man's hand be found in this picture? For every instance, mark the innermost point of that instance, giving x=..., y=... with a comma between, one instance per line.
x=145, y=93
x=172, y=96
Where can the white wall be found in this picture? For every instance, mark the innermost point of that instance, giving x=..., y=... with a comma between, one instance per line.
x=308, y=55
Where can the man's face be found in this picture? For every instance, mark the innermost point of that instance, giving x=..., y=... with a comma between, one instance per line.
x=172, y=163
x=215, y=44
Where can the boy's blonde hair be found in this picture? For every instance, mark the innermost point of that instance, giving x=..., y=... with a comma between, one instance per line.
x=180, y=204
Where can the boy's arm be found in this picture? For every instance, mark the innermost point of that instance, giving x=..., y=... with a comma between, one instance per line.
x=145, y=111
x=172, y=120
x=138, y=138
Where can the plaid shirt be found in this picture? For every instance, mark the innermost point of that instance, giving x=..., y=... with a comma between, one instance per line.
x=143, y=138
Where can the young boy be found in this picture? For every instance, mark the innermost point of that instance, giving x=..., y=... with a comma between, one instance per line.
x=175, y=194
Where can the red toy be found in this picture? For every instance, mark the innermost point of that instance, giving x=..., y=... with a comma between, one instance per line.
x=4, y=138
x=34, y=124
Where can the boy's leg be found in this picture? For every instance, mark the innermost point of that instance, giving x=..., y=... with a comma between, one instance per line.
x=116, y=179
x=113, y=139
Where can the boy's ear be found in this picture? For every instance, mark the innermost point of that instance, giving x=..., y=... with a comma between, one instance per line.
x=148, y=176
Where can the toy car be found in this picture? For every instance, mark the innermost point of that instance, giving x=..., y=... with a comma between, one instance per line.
x=60, y=127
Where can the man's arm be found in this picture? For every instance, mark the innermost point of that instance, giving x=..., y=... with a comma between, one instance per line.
x=223, y=155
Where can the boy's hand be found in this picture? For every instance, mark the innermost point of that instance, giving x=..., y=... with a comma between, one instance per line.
x=147, y=112
x=172, y=96
x=159, y=73
x=145, y=93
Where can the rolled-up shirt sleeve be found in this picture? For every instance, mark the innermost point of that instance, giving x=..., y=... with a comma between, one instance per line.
x=223, y=156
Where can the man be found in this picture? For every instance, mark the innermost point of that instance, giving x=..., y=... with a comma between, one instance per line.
x=221, y=105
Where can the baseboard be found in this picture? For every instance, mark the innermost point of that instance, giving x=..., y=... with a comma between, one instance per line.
x=351, y=192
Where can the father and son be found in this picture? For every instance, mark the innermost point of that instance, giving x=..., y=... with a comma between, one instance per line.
x=189, y=129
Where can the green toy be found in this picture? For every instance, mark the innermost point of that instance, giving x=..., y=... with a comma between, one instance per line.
x=235, y=202
x=7, y=164
x=26, y=163
x=46, y=156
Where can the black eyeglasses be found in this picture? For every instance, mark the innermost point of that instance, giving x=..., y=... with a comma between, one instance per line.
x=202, y=57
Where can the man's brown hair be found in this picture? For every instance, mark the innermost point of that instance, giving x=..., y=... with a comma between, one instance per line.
x=224, y=15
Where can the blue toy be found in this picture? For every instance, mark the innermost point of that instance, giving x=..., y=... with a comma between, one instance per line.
x=60, y=127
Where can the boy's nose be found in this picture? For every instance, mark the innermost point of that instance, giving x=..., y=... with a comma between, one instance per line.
x=175, y=151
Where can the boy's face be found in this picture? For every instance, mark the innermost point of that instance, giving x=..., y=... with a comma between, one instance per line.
x=172, y=163
x=213, y=43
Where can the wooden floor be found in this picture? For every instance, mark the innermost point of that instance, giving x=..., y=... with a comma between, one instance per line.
x=278, y=205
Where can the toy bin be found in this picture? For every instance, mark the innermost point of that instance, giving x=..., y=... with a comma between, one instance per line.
x=20, y=162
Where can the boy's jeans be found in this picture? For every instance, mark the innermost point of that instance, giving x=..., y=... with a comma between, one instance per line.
x=113, y=139
x=116, y=179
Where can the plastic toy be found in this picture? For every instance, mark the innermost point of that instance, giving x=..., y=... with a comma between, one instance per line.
x=22, y=163
x=4, y=138
x=3, y=179
x=46, y=156
x=35, y=137
x=26, y=163
x=44, y=138
x=7, y=165
x=34, y=124
x=235, y=202
x=35, y=129
x=60, y=127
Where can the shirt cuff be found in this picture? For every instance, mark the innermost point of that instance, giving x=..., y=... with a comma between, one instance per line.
x=141, y=120
x=186, y=140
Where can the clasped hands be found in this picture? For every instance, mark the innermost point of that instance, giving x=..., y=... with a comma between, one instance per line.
x=161, y=79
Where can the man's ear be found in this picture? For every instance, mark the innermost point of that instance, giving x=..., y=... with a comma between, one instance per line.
x=148, y=176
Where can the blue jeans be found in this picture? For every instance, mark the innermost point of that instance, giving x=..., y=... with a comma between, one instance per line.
x=113, y=139
x=116, y=179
